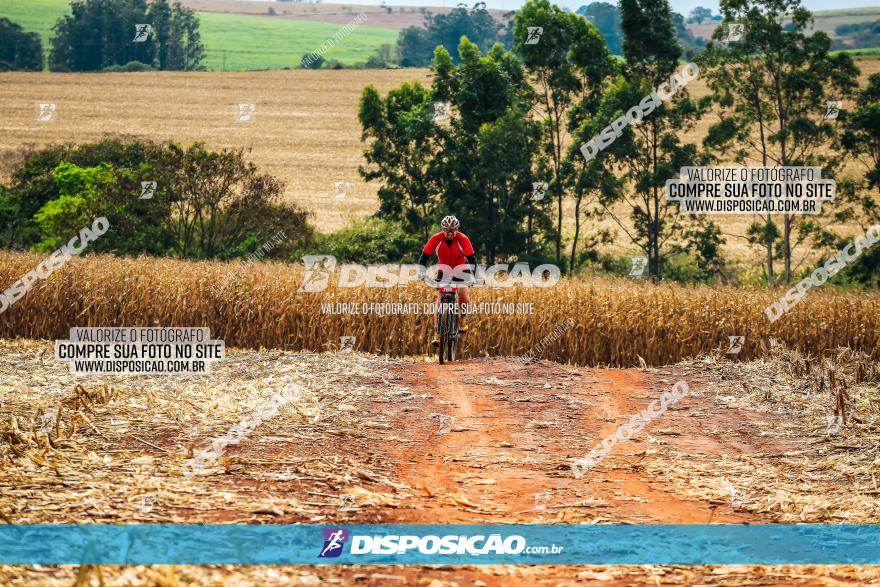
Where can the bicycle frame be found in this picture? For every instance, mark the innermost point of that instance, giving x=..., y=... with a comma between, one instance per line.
x=447, y=324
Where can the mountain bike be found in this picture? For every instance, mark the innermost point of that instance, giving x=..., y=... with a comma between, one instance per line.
x=447, y=324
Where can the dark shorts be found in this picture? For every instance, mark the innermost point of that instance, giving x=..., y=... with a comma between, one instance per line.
x=467, y=279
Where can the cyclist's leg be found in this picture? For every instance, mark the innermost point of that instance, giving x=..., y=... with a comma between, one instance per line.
x=437, y=314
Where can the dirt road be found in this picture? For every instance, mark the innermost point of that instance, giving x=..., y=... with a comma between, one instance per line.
x=501, y=450
x=410, y=441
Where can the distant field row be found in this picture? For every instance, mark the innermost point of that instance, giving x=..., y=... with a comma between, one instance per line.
x=244, y=36
x=305, y=131
x=235, y=41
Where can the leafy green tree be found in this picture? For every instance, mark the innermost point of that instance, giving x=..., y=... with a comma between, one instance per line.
x=857, y=35
x=483, y=166
x=66, y=214
x=636, y=165
x=385, y=55
x=19, y=50
x=606, y=18
x=565, y=64
x=861, y=136
x=690, y=45
x=311, y=61
x=176, y=29
x=772, y=90
x=463, y=147
x=205, y=204
x=371, y=240
x=401, y=148
x=699, y=14
x=505, y=150
x=861, y=140
x=416, y=44
x=33, y=184
x=101, y=33
x=704, y=241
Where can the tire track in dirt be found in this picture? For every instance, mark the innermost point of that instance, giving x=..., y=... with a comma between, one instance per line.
x=506, y=457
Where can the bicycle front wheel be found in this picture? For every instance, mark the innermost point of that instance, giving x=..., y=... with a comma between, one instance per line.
x=441, y=350
x=452, y=333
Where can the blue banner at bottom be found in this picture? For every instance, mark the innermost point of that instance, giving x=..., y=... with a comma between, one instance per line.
x=468, y=544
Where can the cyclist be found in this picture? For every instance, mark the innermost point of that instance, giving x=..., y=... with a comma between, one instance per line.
x=453, y=249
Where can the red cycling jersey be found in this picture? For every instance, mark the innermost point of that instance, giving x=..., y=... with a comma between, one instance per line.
x=451, y=253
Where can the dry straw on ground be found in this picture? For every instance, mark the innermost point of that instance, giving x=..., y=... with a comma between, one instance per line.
x=827, y=471
x=616, y=322
x=101, y=473
x=116, y=445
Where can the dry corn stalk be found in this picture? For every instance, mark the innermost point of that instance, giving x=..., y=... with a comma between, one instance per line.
x=616, y=321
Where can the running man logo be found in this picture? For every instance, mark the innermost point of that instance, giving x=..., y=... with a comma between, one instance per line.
x=346, y=344
x=334, y=540
x=148, y=500
x=141, y=32
x=46, y=111
x=340, y=189
x=832, y=109
x=541, y=501
x=46, y=421
x=534, y=35
x=736, y=344
x=735, y=32
x=446, y=423
x=148, y=188
x=318, y=271
x=539, y=189
x=833, y=424
x=440, y=111
x=639, y=264
x=246, y=112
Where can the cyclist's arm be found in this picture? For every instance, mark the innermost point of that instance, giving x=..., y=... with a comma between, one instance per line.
x=467, y=250
x=471, y=259
x=427, y=252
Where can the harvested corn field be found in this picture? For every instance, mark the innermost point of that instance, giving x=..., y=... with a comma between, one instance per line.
x=375, y=440
x=257, y=305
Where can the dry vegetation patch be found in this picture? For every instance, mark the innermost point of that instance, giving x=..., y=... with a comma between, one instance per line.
x=614, y=321
x=116, y=445
x=825, y=414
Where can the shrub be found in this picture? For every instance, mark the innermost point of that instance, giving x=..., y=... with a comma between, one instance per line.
x=206, y=204
x=371, y=240
x=128, y=67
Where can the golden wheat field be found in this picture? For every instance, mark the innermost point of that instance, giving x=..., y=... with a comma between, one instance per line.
x=615, y=322
x=305, y=130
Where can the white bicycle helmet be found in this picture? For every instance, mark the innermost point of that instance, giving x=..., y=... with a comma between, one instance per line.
x=449, y=222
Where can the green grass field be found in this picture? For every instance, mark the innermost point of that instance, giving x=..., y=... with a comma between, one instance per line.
x=242, y=42
x=257, y=42
x=872, y=52
x=35, y=16
x=867, y=11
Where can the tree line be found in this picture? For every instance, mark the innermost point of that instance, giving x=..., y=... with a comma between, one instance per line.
x=504, y=155
x=109, y=35
x=415, y=44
